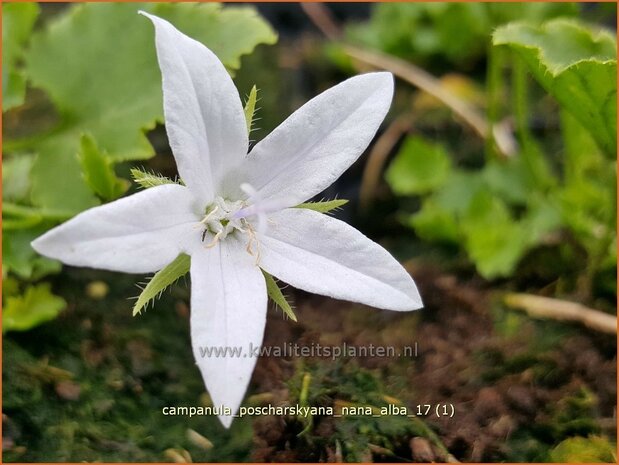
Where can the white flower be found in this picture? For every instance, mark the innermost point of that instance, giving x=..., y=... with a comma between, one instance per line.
x=234, y=216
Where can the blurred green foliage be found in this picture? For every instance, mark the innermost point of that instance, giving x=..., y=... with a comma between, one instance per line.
x=17, y=22
x=96, y=66
x=421, y=167
x=107, y=83
x=507, y=206
x=593, y=449
x=34, y=307
x=457, y=33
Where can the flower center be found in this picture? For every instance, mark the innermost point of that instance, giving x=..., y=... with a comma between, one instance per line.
x=219, y=220
x=223, y=217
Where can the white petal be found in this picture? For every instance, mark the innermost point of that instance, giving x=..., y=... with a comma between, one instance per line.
x=320, y=254
x=317, y=143
x=204, y=116
x=136, y=234
x=228, y=310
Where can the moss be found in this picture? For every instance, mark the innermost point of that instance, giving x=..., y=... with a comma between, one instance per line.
x=340, y=384
x=126, y=369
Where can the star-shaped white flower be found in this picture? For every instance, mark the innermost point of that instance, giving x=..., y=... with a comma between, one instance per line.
x=233, y=216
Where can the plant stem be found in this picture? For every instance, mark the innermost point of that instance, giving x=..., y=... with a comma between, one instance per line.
x=496, y=59
x=531, y=152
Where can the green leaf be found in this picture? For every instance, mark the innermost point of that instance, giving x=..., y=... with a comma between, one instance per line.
x=229, y=31
x=324, y=206
x=14, y=89
x=593, y=449
x=589, y=209
x=532, y=12
x=438, y=219
x=16, y=177
x=457, y=194
x=542, y=216
x=459, y=32
x=10, y=287
x=24, y=211
x=98, y=171
x=17, y=22
x=575, y=64
x=583, y=159
x=434, y=223
x=16, y=216
x=26, y=222
x=275, y=293
x=161, y=280
x=250, y=108
x=57, y=181
x=494, y=241
x=97, y=63
x=37, y=305
x=509, y=179
x=19, y=258
x=419, y=167
x=146, y=179
x=588, y=197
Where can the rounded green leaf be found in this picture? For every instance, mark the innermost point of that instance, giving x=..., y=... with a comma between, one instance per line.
x=434, y=223
x=577, y=65
x=494, y=241
x=419, y=167
x=97, y=63
x=37, y=305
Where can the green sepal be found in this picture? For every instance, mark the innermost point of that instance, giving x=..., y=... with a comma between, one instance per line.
x=324, y=206
x=276, y=295
x=250, y=108
x=161, y=280
x=146, y=179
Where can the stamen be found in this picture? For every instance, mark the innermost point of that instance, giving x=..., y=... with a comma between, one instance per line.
x=253, y=240
x=226, y=217
x=209, y=215
x=215, y=240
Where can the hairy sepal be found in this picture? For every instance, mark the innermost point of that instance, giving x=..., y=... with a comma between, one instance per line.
x=276, y=295
x=161, y=280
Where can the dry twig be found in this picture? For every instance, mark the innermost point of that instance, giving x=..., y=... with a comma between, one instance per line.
x=322, y=18
x=555, y=309
x=378, y=157
x=428, y=83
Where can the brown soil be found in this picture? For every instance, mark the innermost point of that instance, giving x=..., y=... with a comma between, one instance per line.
x=518, y=386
